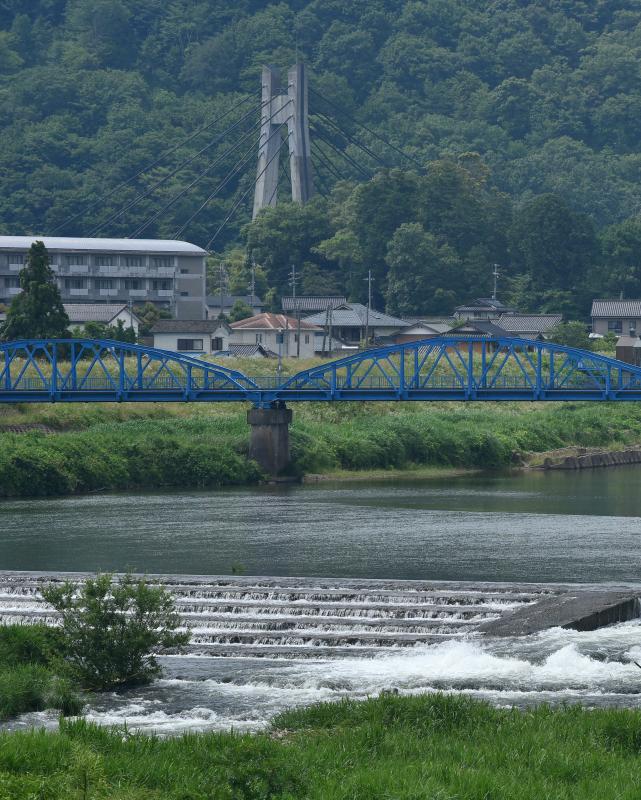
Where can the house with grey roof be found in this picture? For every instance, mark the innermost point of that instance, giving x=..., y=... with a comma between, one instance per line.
x=311, y=304
x=349, y=322
x=482, y=308
x=215, y=307
x=616, y=316
x=529, y=326
x=106, y=313
x=196, y=337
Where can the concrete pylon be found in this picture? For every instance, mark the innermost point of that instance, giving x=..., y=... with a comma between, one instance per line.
x=280, y=109
x=269, y=439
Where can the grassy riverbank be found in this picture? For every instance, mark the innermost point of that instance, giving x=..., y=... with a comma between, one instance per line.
x=406, y=748
x=102, y=447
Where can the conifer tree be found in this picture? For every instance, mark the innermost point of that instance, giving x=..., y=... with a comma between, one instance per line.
x=37, y=312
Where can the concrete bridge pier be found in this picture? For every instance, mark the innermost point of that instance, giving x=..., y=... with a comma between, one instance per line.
x=269, y=438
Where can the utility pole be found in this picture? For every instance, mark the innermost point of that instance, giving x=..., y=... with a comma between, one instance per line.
x=496, y=275
x=252, y=285
x=222, y=277
x=369, y=305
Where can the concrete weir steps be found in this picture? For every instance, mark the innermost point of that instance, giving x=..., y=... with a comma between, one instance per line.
x=277, y=617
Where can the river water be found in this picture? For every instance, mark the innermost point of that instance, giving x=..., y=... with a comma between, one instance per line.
x=352, y=639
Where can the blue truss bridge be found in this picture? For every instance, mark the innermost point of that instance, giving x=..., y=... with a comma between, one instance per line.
x=443, y=368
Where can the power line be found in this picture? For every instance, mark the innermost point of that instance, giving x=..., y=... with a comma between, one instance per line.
x=196, y=180
x=226, y=179
x=244, y=194
x=369, y=130
x=163, y=180
x=155, y=163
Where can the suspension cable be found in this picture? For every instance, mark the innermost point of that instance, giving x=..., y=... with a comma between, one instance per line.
x=345, y=114
x=326, y=161
x=344, y=155
x=155, y=163
x=352, y=140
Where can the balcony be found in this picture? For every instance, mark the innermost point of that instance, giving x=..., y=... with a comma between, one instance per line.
x=165, y=292
x=137, y=292
x=13, y=290
x=78, y=292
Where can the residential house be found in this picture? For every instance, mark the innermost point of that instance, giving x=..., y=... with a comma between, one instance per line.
x=529, y=326
x=616, y=316
x=247, y=351
x=215, y=309
x=422, y=328
x=196, y=337
x=279, y=333
x=352, y=322
x=482, y=308
x=106, y=313
x=629, y=350
x=310, y=304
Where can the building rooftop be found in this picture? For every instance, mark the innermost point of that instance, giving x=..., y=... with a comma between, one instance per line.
x=187, y=326
x=529, y=323
x=272, y=322
x=94, y=312
x=230, y=299
x=354, y=315
x=312, y=303
x=483, y=303
x=80, y=244
x=616, y=308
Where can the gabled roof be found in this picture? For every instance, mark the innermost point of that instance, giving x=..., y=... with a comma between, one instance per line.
x=83, y=245
x=529, y=323
x=94, y=312
x=480, y=303
x=312, y=303
x=482, y=327
x=616, y=308
x=355, y=315
x=204, y=326
x=250, y=351
x=229, y=300
x=272, y=322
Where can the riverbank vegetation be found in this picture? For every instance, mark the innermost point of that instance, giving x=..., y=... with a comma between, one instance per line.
x=408, y=748
x=93, y=448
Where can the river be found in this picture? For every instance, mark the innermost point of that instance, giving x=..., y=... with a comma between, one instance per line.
x=531, y=527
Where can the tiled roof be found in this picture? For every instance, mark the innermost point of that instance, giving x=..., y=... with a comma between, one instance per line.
x=483, y=303
x=482, y=327
x=616, y=308
x=230, y=299
x=272, y=322
x=312, y=303
x=93, y=312
x=354, y=315
x=187, y=326
x=249, y=350
x=72, y=243
x=529, y=323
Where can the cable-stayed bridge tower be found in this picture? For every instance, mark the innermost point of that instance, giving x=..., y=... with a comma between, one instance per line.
x=284, y=110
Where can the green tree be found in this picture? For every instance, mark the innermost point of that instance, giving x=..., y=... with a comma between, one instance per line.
x=149, y=314
x=240, y=310
x=112, y=630
x=572, y=334
x=37, y=312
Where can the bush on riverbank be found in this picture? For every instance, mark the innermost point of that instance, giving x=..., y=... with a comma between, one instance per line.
x=29, y=678
x=407, y=748
x=209, y=449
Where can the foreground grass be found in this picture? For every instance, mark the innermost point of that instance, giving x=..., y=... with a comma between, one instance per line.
x=388, y=748
x=148, y=446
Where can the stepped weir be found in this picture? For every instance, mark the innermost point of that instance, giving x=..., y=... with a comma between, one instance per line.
x=315, y=618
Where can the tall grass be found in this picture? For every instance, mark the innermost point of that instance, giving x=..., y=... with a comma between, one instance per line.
x=405, y=748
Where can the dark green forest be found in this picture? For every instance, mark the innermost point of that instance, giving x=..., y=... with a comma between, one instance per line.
x=514, y=134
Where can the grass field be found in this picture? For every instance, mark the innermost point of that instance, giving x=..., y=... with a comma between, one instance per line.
x=433, y=747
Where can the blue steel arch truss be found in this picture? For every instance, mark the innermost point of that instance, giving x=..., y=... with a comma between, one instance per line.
x=443, y=368
x=99, y=370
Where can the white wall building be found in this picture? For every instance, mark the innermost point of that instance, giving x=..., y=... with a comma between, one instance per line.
x=196, y=337
x=108, y=314
x=266, y=328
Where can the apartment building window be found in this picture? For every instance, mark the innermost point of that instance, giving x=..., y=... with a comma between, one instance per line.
x=74, y=283
x=133, y=283
x=12, y=282
x=615, y=325
x=106, y=261
x=134, y=261
x=162, y=261
x=184, y=272
x=104, y=283
x=184, y=294
x=190, y=344
x=16, y=258
x=161, y=285
x=77, y=260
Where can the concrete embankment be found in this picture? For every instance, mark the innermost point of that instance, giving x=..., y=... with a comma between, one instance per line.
x=590, y=460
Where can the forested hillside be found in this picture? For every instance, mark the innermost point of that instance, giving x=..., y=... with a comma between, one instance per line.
x=522, y=120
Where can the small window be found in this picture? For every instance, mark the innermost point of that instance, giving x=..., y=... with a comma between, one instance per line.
x=162, y=261
x=259, y=338
x=184, y=294
x=134, y=261
x=163, y=284
x=106, y=261
x=615, y=325
x=306, y=338
x=105, y=283
x=190, y=344
x=16, y=258
x=133, y=283
x=12, y=282
x=74, y=283
x=216, y=343
x=184, y=272
x=77, y=260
